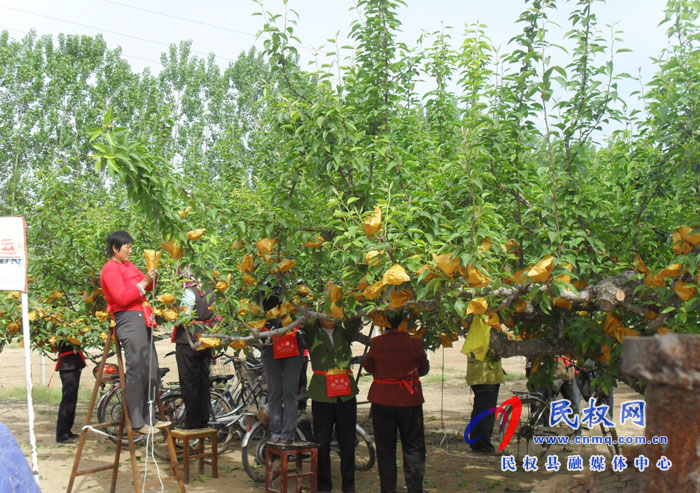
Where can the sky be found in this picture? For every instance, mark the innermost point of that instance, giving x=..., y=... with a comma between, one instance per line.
x=145, y=28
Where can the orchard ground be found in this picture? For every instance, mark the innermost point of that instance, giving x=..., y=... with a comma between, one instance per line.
x=450, y=467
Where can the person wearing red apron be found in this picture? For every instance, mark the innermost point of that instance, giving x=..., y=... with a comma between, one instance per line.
x=332, y=391
x=282, y=363
x=69, y=366
x=124, y=287
x=396, y=360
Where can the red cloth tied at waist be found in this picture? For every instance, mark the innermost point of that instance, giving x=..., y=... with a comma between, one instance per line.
x=79, y=353
x=404, y=383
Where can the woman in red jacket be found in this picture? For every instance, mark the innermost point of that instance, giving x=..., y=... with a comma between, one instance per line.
x=396, y=360
x=125, y=287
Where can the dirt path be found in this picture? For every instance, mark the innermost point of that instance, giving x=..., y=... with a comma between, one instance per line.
x=451, y=466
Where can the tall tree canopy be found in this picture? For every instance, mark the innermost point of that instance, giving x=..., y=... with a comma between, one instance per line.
x=483, y=197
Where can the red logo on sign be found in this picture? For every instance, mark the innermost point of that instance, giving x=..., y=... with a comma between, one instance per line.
x=7, y=248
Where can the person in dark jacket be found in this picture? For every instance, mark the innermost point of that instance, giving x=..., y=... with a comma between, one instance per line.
x=69, y=365
x=396, y=360
x=193, y=365
x=332, y=391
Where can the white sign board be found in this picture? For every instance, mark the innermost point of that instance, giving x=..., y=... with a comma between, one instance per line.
x=13, y=254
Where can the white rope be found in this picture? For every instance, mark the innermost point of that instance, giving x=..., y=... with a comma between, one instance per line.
x=150, y=447
x=152, y=391
x=99, y=432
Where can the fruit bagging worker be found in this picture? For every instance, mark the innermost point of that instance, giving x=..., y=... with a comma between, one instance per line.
x=124, y=287
x=193, y=365
x=69, y=366
x=282, y=363
x=332, y=391
x=396, y=360
x=485, y=378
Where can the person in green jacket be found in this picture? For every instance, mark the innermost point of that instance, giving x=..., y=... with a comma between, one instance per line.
x=485, y=377
x=332, y=391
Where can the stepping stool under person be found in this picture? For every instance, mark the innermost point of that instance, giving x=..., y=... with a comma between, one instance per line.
x=298, y=453
x=198, y=454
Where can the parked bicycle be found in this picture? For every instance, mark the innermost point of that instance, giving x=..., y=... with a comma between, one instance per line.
x=109, y=406
x=534, y=421
x=231, y=395
x=255, y=442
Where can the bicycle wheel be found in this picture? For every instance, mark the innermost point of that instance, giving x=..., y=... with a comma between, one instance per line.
x=224, y=420
x=249, y=395
x=534, y=436
x=173, y=408
x=109, y=410
x=365, y=454
x=253, y=451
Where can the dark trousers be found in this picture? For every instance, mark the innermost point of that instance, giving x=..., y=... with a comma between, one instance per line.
x=409, y=422
x=70, y=380
x=193, y=370
x=485, y=397
x=141, y=386
x=302, y=396
x=282, y=377
x=344, y=416
x=569, y=390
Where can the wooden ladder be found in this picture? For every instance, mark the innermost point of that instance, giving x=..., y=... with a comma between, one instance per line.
x=125, y=420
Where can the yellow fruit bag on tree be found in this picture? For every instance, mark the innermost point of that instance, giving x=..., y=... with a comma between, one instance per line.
x=395, y=276
x=152, y=259
x=173, y=249
x=446, y=263
x=478, y=339
x=265, y=245
x=195, y=234
x=373, y=222
x=542, y=270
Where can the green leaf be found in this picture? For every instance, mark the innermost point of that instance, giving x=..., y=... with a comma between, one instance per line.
x=460, y=308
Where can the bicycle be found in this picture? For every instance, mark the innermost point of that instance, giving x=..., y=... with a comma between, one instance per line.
x=231, y=396
x=255, y=442
x=534, y=421
x=109, y=406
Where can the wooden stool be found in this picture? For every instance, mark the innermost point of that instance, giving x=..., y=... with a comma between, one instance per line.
x=200, y=454
x=285, y=452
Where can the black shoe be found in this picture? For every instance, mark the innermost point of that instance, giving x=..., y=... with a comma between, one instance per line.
x=484, y=450
x=66, y=439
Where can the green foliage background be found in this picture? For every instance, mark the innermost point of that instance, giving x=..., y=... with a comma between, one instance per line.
x=499, y=147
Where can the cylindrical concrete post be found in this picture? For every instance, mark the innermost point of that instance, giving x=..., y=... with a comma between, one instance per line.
x=670, y=364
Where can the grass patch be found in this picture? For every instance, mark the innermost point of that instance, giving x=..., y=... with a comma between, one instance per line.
x=42, y=395
x=509, y=377
x=436, y=378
